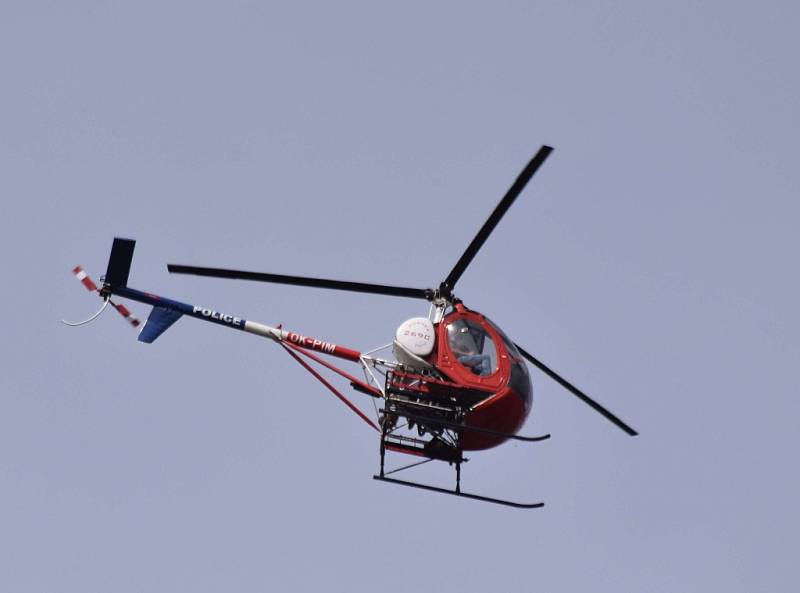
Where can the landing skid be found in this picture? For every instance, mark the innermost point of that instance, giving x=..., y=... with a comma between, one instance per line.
x=430, y=405
x=457, y=492
x=435, y=449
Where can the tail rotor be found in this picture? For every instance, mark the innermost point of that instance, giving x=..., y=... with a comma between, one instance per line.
x=90, y=285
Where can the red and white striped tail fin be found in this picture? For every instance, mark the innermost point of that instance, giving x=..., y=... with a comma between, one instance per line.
x=87, y=281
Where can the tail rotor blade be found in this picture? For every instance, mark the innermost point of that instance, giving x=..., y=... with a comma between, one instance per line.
x=126, y=313
x=81, y=275
x=575, y=391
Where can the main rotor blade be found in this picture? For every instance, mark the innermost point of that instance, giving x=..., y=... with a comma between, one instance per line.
x=575, y=391
x=511, y=195
x=400, y=291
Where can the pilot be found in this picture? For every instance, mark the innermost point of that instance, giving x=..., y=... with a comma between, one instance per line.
x=463, y=346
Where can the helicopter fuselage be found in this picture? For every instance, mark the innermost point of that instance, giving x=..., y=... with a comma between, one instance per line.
x=474, y=353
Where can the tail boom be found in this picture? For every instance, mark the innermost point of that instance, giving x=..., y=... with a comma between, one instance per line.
x=234, y=322
x=166, y=311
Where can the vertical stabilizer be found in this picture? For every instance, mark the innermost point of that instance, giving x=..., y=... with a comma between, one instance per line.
x=119, y=263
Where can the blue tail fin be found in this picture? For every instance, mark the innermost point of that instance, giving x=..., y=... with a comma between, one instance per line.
x=158, y=322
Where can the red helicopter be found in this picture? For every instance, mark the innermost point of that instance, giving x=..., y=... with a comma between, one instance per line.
x=458, y=382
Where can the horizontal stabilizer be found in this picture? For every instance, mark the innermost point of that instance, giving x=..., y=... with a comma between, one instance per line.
x=158, y=322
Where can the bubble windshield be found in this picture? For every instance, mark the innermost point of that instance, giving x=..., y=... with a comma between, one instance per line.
x=472, y=347
x=520, y=380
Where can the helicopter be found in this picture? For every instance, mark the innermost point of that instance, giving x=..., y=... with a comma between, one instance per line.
x=456, y=382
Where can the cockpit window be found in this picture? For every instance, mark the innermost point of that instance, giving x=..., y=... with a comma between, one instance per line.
x=510, y=346
x=472, y=346
x=520, y=380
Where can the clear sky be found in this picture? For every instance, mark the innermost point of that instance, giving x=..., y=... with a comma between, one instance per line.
x=653, y=261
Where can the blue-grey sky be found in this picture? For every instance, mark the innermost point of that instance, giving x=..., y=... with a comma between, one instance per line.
x=653, y=261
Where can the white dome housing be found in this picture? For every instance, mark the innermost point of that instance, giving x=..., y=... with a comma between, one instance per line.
x=414, y=339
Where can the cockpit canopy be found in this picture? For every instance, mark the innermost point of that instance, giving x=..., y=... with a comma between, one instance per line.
x=472, y=346
x=484, y=354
